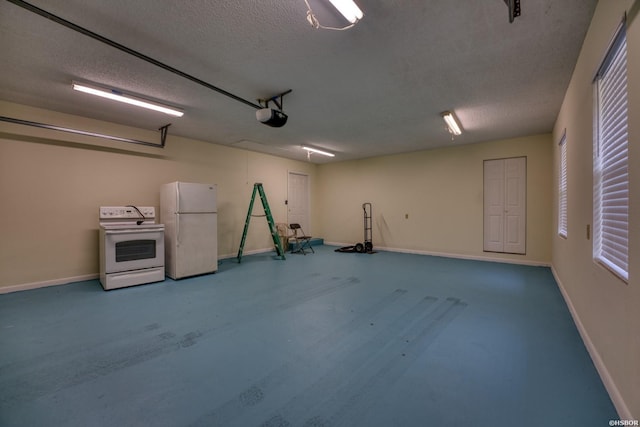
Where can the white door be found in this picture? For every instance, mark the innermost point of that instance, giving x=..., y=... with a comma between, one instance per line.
x=196, y=250
x=298, y=200
x=505, y=187
x=494, y=205
x=196, y=198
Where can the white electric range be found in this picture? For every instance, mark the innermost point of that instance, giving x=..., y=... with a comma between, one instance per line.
x=131, y=246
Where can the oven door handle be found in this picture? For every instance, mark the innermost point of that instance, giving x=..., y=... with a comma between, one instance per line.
x=131, y=231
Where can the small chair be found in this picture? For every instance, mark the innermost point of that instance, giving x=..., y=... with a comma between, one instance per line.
x=302, y=240
x=283, y=233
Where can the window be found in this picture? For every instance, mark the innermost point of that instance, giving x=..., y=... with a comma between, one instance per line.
x=610, y=166
x=562, y=189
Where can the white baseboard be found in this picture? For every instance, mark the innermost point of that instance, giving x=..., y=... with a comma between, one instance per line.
x=43, y=284
x=244, y=253
x=623, y=410
x=451, y=255
x=66, y=280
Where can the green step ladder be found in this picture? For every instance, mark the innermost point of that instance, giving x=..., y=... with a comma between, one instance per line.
x=257, y=187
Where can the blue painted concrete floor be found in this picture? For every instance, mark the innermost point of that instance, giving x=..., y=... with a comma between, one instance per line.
x=326, y=339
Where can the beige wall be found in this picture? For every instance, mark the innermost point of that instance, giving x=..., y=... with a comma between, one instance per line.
x=52, y=184
x=606, y=309
x=441, y=192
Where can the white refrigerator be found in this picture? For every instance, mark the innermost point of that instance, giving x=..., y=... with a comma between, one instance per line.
x=189, y=213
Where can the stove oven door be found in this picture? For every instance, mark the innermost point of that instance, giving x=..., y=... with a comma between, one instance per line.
x=131, y=249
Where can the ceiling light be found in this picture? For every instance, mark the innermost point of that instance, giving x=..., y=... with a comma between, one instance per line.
x=314, y=150
x=117, y=95
x=348, y=9
x=452, y=124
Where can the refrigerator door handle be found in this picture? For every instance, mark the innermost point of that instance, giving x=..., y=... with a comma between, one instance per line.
x=177, y=229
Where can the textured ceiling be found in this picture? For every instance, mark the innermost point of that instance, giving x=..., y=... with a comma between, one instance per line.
x=372, y=90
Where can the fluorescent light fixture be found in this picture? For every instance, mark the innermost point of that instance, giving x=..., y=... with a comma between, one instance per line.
x=314, y=150
x=349, y=9
x=117, y=95
x=453, y=125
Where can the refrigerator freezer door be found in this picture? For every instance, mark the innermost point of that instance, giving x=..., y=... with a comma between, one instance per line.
x=196, y=198
x=195, y=249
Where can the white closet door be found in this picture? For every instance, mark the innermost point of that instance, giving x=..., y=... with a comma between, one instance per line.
x=494, y=205
x=298, y=200
x=515, y=205
x=505, y=186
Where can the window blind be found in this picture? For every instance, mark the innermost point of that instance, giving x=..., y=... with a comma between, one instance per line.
x=562, y=189
x=611, y=192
